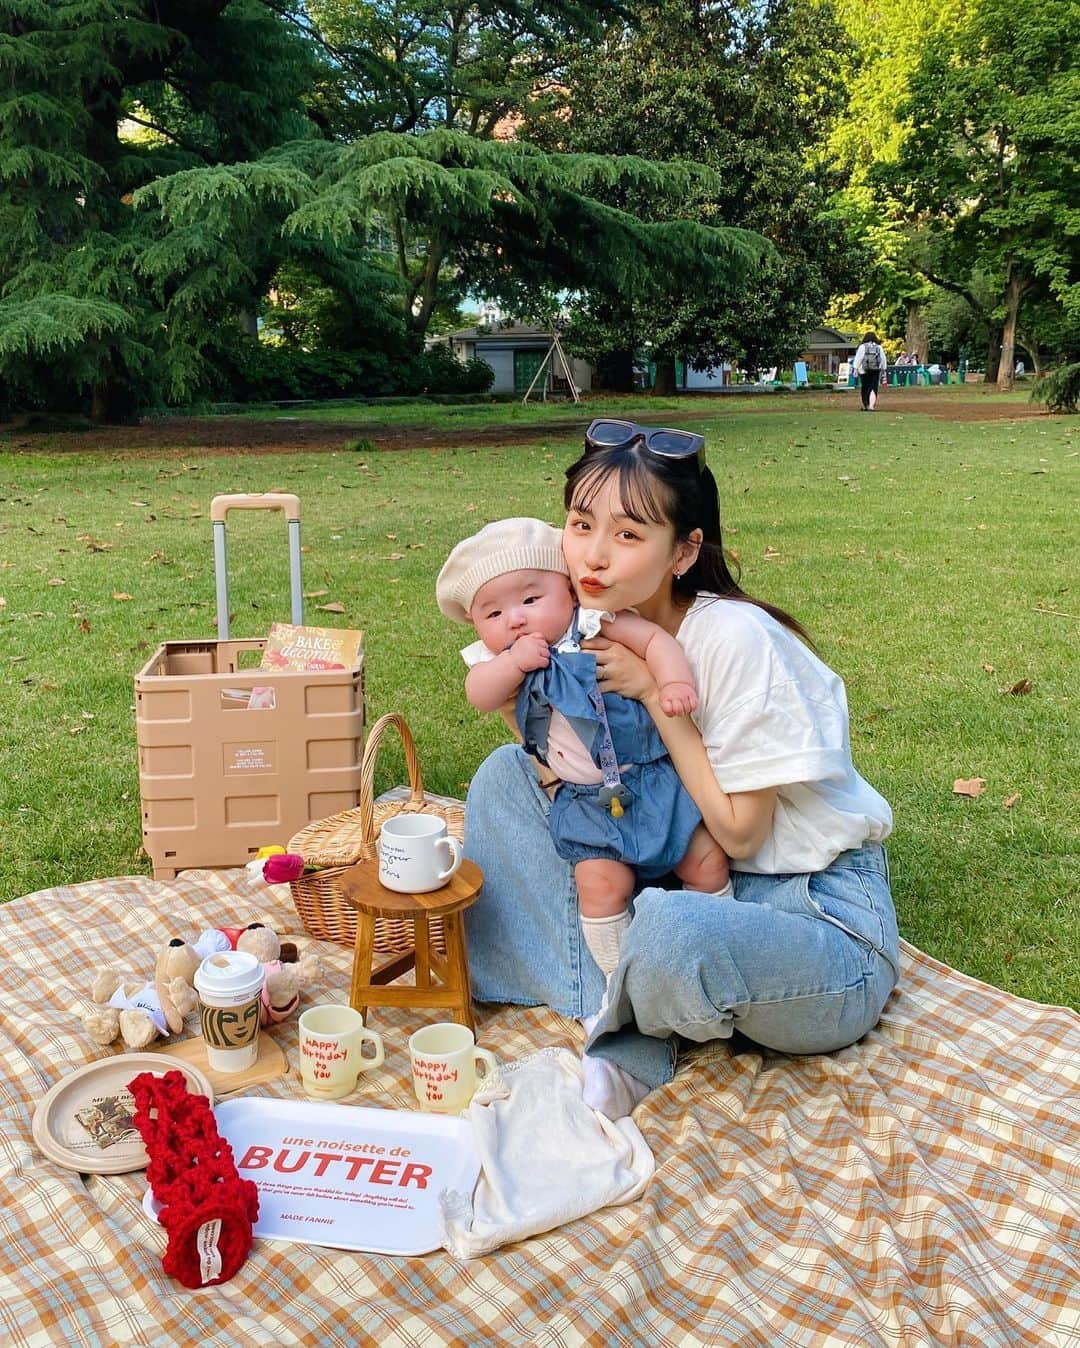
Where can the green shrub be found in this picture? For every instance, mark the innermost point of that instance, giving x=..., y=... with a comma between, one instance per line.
x=439, y=371
x=48, y=423
x=249, y=370
x=1060, y=389
x=254, y=371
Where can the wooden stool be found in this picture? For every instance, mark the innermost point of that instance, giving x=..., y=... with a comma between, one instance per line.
x=440, y=981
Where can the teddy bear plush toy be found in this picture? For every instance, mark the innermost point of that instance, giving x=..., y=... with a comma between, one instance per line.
x=158, y=1008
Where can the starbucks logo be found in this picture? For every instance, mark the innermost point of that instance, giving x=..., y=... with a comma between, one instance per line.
x=230, y=1026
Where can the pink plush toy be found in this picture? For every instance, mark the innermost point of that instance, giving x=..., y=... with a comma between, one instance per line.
x=286, y=974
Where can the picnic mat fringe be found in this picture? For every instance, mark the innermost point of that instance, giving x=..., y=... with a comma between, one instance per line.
x=919, y=1188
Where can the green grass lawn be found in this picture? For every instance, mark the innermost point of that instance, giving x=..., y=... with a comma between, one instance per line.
x=934, y=562
x=459, y=416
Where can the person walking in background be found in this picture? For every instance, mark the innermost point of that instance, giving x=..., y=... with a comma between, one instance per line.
x=869, y=366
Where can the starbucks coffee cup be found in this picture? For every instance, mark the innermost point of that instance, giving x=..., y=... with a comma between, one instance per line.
x=229, y=985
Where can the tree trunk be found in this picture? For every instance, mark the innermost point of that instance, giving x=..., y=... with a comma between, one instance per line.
x=664, y=385
x=112, y=403
x=423, y=292
x=993, y=354
x=1032, y=348
x=1015, y=289
x=916, y=337
x=112, y=398
x=615, y=371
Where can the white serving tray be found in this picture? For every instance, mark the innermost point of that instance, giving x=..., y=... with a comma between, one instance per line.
x=346, y=1176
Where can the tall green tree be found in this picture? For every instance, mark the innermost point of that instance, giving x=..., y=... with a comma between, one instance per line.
x=746, y=89
x=887, y=40
x=508, y=218
x=415, y=65
x=988, y=171
x=97, y=99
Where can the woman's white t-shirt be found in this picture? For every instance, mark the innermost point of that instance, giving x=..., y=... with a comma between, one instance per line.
x=772, y=714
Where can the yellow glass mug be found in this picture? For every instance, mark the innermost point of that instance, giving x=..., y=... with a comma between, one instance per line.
x=332, y=1040
x=444, y=1060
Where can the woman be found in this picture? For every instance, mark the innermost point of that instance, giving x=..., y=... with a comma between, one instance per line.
x=804, y=956
x=869, y=364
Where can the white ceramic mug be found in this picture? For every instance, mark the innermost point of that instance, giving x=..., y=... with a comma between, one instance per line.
x=332, y=1041
x=444, y=1059
x=412, y=851
x=229, y=985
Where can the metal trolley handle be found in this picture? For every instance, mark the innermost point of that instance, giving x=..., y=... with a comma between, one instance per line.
x=219, y=509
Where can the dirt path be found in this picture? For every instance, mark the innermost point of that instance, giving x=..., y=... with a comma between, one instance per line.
x=192, y=437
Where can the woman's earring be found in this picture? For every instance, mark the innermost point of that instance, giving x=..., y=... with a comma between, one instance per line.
x=677, y=575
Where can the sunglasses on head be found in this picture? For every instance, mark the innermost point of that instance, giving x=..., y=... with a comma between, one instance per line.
x=604, y=433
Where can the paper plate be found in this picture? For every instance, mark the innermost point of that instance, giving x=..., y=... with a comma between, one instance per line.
x=347, y=1176
x=85, y=1122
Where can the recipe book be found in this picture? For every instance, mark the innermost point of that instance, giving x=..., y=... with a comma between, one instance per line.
x=312, y=648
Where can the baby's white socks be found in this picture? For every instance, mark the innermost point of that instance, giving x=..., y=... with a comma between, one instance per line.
x=603, y=936
x=607, y=1088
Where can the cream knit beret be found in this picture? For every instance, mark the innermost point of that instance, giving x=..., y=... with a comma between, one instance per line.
x=505, y=545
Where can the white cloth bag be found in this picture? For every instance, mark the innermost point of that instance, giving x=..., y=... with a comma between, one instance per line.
x=546, y=1158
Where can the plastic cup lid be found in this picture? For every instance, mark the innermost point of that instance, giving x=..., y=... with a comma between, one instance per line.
x=230, y=973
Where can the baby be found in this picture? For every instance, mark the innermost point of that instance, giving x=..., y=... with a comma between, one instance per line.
x=620, y=812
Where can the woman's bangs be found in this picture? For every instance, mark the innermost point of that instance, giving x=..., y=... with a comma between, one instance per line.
x=642, y=497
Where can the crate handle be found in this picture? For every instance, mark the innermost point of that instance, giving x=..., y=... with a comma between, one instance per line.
x=416, y=802
x=267, y=500
x=255, y=500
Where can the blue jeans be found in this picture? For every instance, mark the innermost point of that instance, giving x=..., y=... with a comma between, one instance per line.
x=797, y=963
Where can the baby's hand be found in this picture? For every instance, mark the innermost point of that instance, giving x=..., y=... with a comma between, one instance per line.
x=678, y=699
x=530, y=652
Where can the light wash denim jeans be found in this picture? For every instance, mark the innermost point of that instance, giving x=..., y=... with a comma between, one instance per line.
x=796, y=963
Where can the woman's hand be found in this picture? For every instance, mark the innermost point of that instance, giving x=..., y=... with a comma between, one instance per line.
x=621, y=671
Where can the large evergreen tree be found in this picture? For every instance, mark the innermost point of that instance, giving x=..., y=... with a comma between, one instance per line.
x=98, y=98
x=508, y=218
x=746, y=89
x=162, y=171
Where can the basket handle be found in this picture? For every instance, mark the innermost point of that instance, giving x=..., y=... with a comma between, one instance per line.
x=367, y=771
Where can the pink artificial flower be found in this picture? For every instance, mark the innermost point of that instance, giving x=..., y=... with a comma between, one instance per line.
x=283, y=866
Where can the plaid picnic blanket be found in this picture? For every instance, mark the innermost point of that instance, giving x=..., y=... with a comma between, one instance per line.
x=921, y=1187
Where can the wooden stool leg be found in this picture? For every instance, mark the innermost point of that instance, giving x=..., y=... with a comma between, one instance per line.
x=422, y=942
x=457, y=966
x=362, y=957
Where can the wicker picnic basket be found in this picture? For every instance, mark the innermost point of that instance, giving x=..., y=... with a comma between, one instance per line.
x=338, y=842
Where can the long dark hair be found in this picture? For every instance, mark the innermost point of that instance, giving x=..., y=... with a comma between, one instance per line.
x=660, y=490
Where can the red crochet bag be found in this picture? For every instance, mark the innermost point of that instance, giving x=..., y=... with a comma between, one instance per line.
x=207, y=1209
